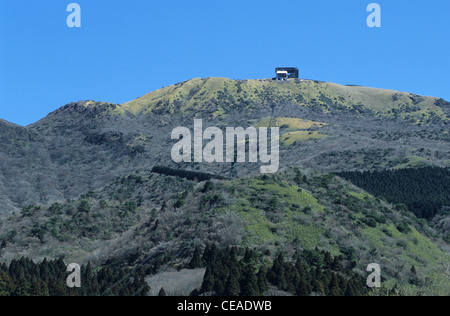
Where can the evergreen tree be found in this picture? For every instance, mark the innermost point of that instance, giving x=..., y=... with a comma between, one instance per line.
x=210, y=254
x=302, y=289
x=351, y=291
x=248, y=256
x=206, y=255
x=162, y=292
x=334, y=286
x=196, y=261
x=195, y=292
x=413, y=278
x=249, y=282
x=336, y=265
x=6, y=284
x=95, y=287
x=302, y=271
x=23, y=288
x=262, y=281
x=232, y=287
x=208, y=281
x=328, y=261
x=219, y=288
x=291, y=277
x=276, y=274
x=318, y=287
x=39, y=288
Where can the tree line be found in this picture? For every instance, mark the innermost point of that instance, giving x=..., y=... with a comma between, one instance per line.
x=424, y=191
x=24, y=277
x=186, y=174
x=314, y=272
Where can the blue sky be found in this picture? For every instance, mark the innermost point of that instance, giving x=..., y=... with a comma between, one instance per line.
x=125, y=49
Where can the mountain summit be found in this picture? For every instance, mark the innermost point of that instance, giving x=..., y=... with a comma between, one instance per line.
x=221, y=96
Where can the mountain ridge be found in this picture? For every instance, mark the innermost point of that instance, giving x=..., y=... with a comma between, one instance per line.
x=341, y=133
x=213, y=91
x=197, y=86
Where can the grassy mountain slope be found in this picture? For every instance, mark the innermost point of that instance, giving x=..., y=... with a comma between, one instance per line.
x=221, y=95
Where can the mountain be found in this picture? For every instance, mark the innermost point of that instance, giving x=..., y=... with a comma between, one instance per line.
x=79, y=182
x=146, y=219
x=325, y=126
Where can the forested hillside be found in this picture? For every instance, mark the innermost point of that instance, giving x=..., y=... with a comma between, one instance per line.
x=24, y=277
x=144, y=217
x=308, y=272
x=424, y=191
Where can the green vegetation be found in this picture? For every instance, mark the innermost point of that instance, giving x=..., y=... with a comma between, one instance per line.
x=190, y=175
x=226, y=95
x=79, y=185
x=292, y=137
x=290, y=123
x=24, y=277
x=290, y=212
x=310, y=272
x=424, y=191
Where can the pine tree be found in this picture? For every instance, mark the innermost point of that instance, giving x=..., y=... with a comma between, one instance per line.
x=6, y=284
x=210, y=254
x=248, y=256
x=276, y=274
x=336, y=265
x=302, y=271
x=162, y=292
x=195, y=292
x=232, y=287
x=219, y=288
x=292, y=277
x=249, y=282
x=23, y=288
x=318, y=287
x=334, y=286
x=208, y=281
x=196, y=261
x=206, y=255
x=39, y=288
x=163, y=207
x=350, y=291
x=298, y=178
x=262, y=281
x=234, y=254
x=359, y=285
x=214, y=253
x=94, y=286
x=302, y=289
x=413, y=278
x=328, y=261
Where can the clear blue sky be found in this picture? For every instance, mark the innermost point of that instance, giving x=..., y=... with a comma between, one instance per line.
x=125, y=49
